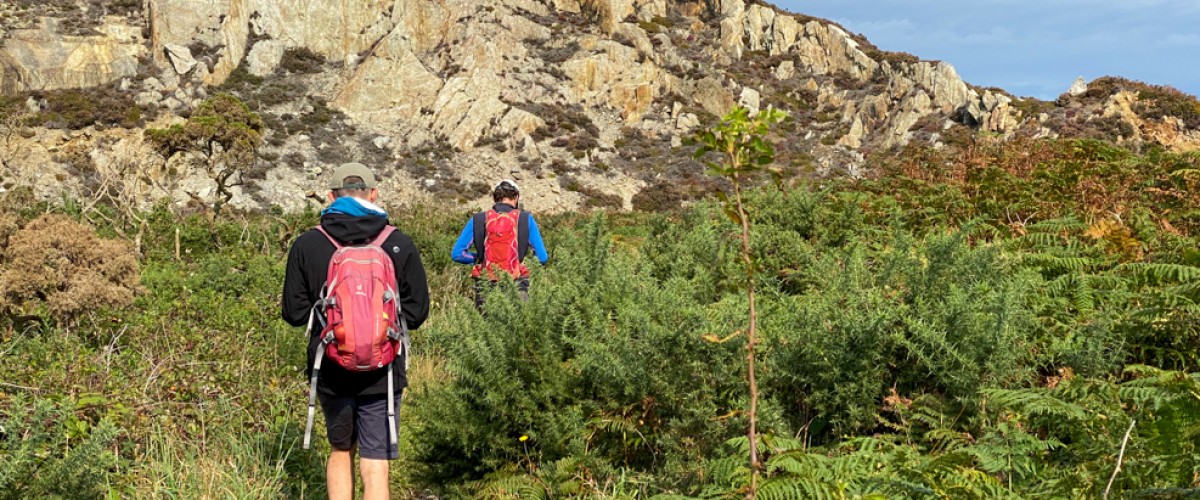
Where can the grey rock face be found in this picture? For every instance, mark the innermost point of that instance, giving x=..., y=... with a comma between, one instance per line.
x=180, y=57
x=43, y=59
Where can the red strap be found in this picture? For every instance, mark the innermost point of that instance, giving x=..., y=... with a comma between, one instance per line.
x=383, y=236
x=336, y=245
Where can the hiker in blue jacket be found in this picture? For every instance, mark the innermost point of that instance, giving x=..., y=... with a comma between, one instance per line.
x=502, y=237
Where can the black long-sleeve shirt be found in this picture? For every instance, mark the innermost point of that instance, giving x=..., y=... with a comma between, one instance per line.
x=307, y=266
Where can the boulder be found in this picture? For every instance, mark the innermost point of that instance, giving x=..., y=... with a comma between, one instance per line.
x=264, y=57
x=1078, y=88
x=785, y=70
x=712, y=96
x=180, y=57
x=749, y=99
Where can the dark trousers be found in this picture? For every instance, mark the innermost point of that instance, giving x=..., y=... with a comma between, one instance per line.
x=484, y=287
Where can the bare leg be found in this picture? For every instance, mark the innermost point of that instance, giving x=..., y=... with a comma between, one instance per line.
x=375, y=478
x=339, y=475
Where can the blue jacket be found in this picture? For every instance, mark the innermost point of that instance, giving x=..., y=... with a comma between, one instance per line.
x=462, y=255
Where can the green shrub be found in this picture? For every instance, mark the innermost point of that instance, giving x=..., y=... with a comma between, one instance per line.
x=54, y=449
x=224, y=134
x=73, y=109
x=590, y=362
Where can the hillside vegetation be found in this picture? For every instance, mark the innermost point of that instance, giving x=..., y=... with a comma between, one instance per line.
x=992, y=319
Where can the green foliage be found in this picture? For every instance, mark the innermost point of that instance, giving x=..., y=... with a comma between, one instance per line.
x=741, y=139
x=587, y=368
x=74, y=109
x=55, y=449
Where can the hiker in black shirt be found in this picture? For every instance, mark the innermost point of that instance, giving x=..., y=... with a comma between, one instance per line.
x=354, y=403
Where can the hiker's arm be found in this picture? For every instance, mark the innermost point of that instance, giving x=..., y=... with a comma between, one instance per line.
x=414, y=291
x=459, y=253
x=535, y=242
x=296, y=302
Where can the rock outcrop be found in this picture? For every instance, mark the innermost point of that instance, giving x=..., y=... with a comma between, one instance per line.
x=583, y=100
x=41, y=58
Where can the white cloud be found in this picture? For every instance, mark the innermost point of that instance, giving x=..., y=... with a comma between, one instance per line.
x=1039, y=46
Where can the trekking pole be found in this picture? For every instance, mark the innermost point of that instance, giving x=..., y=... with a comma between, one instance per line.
x=312, y=392
x=390, y=389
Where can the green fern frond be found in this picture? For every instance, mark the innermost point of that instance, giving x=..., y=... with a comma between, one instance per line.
x=1061, y=264
x=1186, y=172
x=515, y=486
x=949, y=463
x=1039, y=240
x=1106, y=282
x=799, y=462
x=1062, y=285
x=1161, y=273
x=778, y=444
x=947, y=439
x=1190, y=290
x=1035, y=402
x=791, y=488
x=1064, y=224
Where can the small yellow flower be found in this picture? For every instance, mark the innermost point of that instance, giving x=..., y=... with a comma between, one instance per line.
x=523, y=438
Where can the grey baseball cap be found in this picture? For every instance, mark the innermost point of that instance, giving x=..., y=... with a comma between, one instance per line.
x=352, y=170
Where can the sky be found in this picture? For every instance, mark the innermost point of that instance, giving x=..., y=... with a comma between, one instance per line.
x=1032, y=47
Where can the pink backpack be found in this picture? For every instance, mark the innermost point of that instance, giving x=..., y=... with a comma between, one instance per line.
x=363, y=327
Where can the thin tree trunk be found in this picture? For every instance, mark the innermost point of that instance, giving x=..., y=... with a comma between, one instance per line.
x=751, y=340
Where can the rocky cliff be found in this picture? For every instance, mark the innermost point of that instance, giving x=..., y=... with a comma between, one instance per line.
x=586, y=102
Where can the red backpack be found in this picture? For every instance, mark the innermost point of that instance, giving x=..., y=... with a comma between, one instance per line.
x=363, y=327
x=501, y=249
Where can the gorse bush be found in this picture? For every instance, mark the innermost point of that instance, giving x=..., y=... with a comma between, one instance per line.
x=59, y=269
x=49, y=451
x=588, y=368
x=851, y=319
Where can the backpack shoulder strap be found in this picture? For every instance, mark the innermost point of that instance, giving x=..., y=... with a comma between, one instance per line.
x=522, y=234
x=336, y=244
x=479, y=224
x=383, y=236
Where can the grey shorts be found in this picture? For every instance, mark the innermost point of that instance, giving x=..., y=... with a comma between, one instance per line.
x=361, y=420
